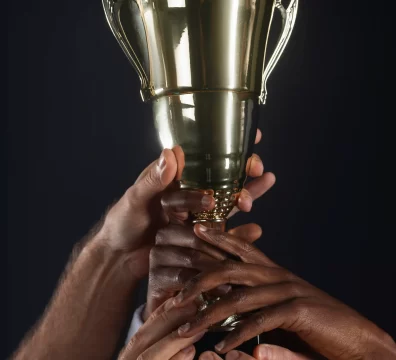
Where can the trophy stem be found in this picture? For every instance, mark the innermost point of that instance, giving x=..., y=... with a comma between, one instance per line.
x=225, y=201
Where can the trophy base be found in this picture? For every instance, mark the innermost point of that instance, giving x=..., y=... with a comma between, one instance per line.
x=225, y=200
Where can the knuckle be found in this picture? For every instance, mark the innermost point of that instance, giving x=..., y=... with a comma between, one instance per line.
x=230, y=265
x=195, y=257
x=160, y=237
x=154, y=275
x=191, y=258
x=259, y=320
x=247, y=248
x=204, y=317
x=187, y=261
x=283, y=274
x=153, y=255
x=288, y=275
x=220, y=237
x=165, y=317
x=196, y=243
x=180, y=278
x=217, y=237
x=294, y=289
x=301, y=308
x=152, y=317
x=174, y=335
x=194, y=281
x=136, y=340
x=151, y=178
x=229, y=268
x=238, y=297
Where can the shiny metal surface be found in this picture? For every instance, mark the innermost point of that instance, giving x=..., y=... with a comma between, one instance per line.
x=216, y=131
x=289, y=16
x=194, y=45
x=201, y=62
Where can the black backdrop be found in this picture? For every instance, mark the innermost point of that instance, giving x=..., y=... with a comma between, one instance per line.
x=78, y=135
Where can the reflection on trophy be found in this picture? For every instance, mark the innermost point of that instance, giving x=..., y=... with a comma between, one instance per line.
x=202, y=64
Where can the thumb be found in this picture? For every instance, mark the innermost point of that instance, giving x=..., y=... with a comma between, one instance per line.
x=156, y=177
x=273, y=352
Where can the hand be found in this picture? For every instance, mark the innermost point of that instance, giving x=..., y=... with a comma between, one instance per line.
x=158, y=339
x=131, y=224
x=179, y=255
x=281, y=300
x=261, y=352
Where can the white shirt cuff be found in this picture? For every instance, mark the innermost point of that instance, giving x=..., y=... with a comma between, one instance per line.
x=136, y=323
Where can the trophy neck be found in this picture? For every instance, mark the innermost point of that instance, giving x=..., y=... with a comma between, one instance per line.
x=216, y=130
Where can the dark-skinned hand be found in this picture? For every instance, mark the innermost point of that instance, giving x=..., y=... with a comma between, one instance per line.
x=279, y=299
x=173, y=261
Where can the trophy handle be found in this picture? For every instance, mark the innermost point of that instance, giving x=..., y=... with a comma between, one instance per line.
x=288, y=19
x=112, y=12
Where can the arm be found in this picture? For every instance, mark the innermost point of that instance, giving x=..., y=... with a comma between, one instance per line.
x=90, y=304
x=280, y=300
x=158, y=339
x=90, y=307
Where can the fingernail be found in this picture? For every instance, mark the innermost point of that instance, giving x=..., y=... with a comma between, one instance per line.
x=232, y=355
x=162, y=161
x=220, y=346
x=206, y=201
x=199, y=336
x=202, y=228
x=188, y=349
x=178, y=299
x=184, y=328
x=255, y=157
x=224, y=288
x=247, y=200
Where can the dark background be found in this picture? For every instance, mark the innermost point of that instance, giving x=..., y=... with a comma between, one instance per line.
x=78, y=135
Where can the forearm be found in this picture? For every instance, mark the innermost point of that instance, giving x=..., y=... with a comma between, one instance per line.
x=88, y=311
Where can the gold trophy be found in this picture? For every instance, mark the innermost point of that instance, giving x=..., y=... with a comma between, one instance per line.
x=202, y=64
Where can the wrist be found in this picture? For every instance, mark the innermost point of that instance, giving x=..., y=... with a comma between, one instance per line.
x=119, y=262
x=131, y=263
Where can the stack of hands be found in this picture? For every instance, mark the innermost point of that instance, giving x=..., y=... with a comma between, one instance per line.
x=148, y=232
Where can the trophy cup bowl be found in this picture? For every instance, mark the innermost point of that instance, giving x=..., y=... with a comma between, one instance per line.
x=202, y=65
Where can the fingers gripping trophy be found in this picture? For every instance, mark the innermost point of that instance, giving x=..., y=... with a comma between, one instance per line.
x=203, y=66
